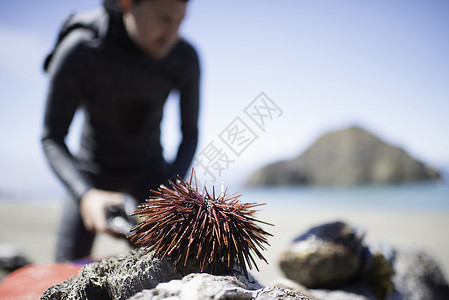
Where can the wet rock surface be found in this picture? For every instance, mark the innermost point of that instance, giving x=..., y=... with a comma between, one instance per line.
x=118, y=277
x=325, y=256
x=382, y=272
x=137, y=275
x=418, y=276
x=335, y=264
x=317, y=264
x=206, y=286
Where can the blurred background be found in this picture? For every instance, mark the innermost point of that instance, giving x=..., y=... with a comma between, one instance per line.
x=326, y=65
x=381, y=65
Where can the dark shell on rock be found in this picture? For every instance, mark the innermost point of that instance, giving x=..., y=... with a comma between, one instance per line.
x=336, y=232
x=319, y=264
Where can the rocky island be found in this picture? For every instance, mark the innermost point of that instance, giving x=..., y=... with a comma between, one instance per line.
x=350, y=156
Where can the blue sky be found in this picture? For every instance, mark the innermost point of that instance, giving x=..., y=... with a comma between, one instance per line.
x=382, y=65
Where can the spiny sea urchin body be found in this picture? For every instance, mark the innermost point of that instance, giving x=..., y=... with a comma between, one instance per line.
x=183, y=224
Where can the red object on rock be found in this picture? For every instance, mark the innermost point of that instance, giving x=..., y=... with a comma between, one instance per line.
x=31, y=281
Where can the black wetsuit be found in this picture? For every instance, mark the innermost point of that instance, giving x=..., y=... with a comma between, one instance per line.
x=97, y=68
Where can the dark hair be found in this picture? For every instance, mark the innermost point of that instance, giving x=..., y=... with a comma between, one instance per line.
x=114, y=5
x=137, y=2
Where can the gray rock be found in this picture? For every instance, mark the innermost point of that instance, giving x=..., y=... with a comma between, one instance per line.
x=337, y=295
x=418, y=276
x=115, y=278
x=318, y=264
x=286, y=283
x=206, y=286
x=325, y=256
x=318, y=258
x=346, y=157
x=354, y=293
x=137, y=275
x=11, y=258
x=328, y=294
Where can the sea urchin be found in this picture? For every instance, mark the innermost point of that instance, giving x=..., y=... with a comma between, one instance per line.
x=183, y=224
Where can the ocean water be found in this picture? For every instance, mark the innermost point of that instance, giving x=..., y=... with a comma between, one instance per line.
x=412, y=197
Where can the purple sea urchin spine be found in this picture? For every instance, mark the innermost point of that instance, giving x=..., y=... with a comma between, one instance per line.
x=183, y=224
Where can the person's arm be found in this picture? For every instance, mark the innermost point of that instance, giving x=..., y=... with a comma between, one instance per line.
x=189, y=111
x=63, y=98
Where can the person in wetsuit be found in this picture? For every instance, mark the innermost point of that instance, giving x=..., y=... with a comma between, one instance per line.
x=118, y=64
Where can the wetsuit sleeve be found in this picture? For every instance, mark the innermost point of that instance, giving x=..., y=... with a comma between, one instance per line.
x=63, y=99
x=189, y=109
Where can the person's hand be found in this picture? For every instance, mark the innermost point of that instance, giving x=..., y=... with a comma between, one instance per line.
x=93, y=206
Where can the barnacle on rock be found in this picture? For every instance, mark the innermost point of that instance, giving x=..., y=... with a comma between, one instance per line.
x=217, y=232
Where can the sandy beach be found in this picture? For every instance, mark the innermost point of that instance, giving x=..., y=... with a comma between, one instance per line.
x=31, y=228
